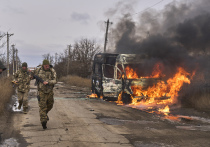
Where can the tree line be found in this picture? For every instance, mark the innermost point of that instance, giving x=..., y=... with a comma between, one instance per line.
x=76, y=59
x=14, y=60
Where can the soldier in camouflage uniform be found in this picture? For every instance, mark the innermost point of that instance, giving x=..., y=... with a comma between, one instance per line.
x=22, y=77
x=45, y=90
x=2, y=67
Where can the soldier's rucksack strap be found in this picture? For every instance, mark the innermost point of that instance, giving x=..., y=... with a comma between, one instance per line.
x=39, y=70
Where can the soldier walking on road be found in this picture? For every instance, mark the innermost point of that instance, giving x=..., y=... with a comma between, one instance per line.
x=22, y=77
x=45, y=90
x=2, y=67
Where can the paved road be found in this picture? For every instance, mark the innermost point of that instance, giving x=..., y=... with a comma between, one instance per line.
x=76, y=121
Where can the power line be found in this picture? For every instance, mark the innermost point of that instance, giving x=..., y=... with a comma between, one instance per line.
x=148, y=7
x=1, y=36
x=151, y=7
x=2, y=45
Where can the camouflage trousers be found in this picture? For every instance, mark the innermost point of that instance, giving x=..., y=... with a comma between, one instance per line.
x=46, y=102
x=23, y=99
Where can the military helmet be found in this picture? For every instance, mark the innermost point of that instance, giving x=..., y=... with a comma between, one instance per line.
x=24, y=64
x=46, y=62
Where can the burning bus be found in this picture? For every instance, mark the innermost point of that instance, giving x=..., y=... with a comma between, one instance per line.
x=118, y=77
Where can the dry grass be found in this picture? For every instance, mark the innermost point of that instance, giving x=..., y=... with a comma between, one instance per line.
x=197, y=98
x=200, y=101
x=76, y=81
x=6, y=91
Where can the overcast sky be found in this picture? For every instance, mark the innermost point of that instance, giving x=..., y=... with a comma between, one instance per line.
x=48, y=26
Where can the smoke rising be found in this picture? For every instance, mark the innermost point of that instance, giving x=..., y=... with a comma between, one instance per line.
x=178, y=22
x=171, y=35
x=178, y=35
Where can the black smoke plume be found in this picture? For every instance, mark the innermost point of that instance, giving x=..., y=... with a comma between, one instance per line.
x=177, y=36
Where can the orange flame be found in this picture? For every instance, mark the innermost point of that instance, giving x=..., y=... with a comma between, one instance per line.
x=130, y=73
x=161, y=89
x=165, y=110
x=93, y=95
x=119, y=102
x=157, y=72
x=101, y=97
x=168, y=90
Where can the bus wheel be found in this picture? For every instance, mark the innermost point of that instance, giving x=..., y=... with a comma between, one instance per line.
x=126, y=98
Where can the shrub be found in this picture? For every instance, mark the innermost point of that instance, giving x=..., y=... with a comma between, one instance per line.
x=6, y=91
x=74, y=80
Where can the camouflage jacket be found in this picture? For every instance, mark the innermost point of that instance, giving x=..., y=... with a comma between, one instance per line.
x=23, y=79
x=49, y=76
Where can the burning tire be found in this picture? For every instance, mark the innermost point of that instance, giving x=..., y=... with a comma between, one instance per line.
x=97, y=93
x=94, y=89
x=126, y=98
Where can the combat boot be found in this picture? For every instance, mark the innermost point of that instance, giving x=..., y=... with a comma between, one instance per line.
x=19, y=107
x=20, y=104
x=24, y=110
x=44, y=125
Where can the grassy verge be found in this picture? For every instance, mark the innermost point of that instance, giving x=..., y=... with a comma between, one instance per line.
x=76, y=81
x=6, y=91
x=197, y=97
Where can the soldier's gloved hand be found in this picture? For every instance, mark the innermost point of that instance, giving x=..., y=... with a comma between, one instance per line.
x=45, y=82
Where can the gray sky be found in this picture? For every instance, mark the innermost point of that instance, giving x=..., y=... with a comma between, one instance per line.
x=48, y=26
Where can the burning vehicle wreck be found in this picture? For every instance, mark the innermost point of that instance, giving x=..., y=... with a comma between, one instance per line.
x=115, y=78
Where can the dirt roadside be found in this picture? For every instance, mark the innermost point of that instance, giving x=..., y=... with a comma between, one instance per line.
x=78, y=121
x=72, y=123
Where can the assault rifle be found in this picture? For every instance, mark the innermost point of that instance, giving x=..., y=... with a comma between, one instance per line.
x=38, y=79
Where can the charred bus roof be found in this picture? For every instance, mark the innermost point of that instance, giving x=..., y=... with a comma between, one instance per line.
x=108, y=58
x=105, y=58
x=130, y=58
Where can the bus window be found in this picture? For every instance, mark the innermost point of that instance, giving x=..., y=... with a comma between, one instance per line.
x=119, y=74
x=108, y=71
x=97, y=68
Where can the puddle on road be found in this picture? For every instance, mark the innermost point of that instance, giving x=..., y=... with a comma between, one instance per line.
x=154, y=144
x=15, y=104
x=180, y=118
x=204, y=120
x=193, y=128
x=114, y=121
x=111, y=121
x=64, y=98
x=170, y=117
x=10, y=143
x=15, y=107
x=74, y=98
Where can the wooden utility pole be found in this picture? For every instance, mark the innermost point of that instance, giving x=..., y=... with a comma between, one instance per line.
x=56, y=58
x=16, y=59
x=68, y=62
x=8, y=35
x=13, y=59
x=106, y=35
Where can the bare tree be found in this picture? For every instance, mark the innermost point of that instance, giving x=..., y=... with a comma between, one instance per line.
x=49, y=58
x=80, y=58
